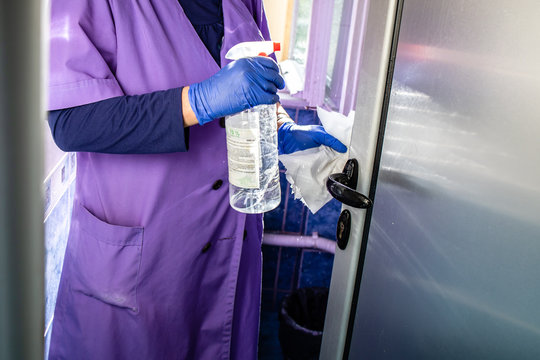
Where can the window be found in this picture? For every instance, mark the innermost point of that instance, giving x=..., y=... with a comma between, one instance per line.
x=334, y=38
x=344, y=56
x=300, y=36
x=324, y=44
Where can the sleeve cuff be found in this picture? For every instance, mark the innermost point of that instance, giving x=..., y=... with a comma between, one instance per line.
x=83, y=92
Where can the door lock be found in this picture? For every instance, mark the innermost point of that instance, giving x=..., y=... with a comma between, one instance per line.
x=343, y=229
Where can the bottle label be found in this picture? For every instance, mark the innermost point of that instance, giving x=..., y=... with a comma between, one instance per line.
x=243, y=147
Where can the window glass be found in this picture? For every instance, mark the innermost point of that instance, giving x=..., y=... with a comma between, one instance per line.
x=300, y=38
x=334, y=38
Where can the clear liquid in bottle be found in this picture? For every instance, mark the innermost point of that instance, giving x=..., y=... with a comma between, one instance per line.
x=253, y=160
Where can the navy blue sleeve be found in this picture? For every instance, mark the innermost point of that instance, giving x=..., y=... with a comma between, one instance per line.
x=140, y=124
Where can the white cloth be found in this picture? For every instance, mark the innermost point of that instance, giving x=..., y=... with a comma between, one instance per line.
x=308, y=170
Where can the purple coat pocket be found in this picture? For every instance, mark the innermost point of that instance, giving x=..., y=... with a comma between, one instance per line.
x=105, y=259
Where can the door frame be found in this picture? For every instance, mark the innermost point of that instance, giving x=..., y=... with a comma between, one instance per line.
x=374, y=85
x=22, y=111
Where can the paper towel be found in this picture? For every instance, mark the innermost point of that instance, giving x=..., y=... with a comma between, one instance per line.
x=308, y=170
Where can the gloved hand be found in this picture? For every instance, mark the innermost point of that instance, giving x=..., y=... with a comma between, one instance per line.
x=292, y=137
x=240, y=85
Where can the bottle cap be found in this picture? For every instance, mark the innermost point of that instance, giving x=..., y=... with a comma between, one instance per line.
x=277, y=46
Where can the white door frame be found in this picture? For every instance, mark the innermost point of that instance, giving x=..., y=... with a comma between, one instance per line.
x=372, y=89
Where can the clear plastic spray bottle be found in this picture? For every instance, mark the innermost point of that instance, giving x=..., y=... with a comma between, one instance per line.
x=252, y=147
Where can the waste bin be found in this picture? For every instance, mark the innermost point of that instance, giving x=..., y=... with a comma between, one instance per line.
x=301, y=322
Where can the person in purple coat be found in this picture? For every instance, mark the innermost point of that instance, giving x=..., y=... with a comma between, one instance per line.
x=158, y=265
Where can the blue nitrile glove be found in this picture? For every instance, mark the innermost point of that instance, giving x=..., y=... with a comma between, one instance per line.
x=292, y=137
x=240, y=85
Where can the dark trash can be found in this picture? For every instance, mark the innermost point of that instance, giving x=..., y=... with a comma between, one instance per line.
x=301, y=322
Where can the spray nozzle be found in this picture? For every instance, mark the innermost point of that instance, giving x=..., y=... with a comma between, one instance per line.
x=252, y=48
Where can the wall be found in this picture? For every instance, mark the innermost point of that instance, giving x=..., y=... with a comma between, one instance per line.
x=59, y=188
x=286, y=268
x=279, y=14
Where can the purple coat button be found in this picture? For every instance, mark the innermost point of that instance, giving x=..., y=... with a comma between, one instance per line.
x=206, y=247
x=217, y=184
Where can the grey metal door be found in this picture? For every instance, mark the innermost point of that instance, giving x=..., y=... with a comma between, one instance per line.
x=451, y=268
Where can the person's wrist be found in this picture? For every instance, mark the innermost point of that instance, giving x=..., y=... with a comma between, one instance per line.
x=282, y=122
x=282, y=116
x=188, y=114
x=196, y=96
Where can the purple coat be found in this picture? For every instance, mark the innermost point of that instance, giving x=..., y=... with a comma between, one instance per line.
x=158, y=265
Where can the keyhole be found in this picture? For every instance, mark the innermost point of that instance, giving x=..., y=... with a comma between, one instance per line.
x=341, y=229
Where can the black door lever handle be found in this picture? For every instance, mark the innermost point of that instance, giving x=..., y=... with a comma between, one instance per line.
x=341, y=187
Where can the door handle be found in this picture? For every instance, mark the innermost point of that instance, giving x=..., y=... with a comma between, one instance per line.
x=341, y=186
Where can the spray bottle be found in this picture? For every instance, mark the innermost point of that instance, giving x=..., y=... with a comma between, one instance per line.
x=252, y=146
